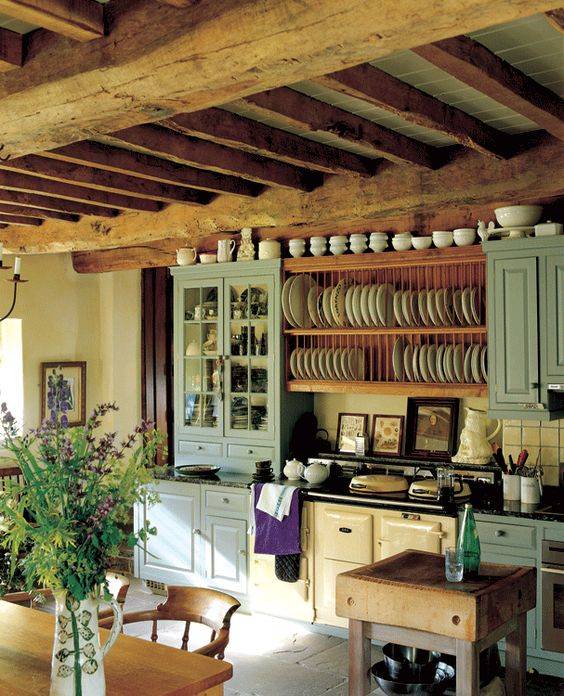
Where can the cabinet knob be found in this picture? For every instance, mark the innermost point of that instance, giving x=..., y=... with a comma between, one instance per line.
x=243, y=552
x=499, y=533
x=249, y=451
x=199, y=447
x=225, y=501
x=197, y=532
x=534, y=385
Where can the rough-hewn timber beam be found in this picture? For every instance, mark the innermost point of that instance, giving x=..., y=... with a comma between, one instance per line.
x=20, y=220
x=376, y=87
x=209, y=54
x=15, y=181
x=478, y=67
x=82, y=20
x=117, y=159
x=11, y=50
x=208, y=155
x=232, y=130
x=300, y=111
x=556, y=18
x=37, y=212
x=33, y=200
x=103, y=180
x=470, y=179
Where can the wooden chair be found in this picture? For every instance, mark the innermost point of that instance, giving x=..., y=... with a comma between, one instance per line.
x=192, y=605
x=10, y=473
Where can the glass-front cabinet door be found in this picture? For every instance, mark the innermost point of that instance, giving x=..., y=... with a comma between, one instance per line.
x=200, y=356
x=249, y=365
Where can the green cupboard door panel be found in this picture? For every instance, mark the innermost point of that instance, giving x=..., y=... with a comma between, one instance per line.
x=554, y=351
x=516, y=332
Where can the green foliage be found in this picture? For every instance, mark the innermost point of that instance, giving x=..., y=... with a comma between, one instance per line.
x=78, y=492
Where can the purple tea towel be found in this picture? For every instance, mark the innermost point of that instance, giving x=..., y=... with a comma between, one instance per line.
x=274, y=537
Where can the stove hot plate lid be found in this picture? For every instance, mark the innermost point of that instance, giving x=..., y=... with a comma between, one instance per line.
x=378, y=483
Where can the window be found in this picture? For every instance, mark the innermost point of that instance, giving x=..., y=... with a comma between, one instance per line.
x=11, y=367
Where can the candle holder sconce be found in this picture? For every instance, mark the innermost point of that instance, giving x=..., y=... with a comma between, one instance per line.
x=15, y=280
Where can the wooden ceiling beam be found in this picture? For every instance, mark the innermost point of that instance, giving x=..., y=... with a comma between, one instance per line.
x=82, y=20
x=11, y=50
x=480, y=68
x=101, y=180
x=236, y=131
x=300, y=111
x=20, y=220
x=37, y=213
x=15, y=181
x=207, y=155
x=384, y=91
x=55, y=205
x=556, y=18
x=157, y=61
x=129, y=162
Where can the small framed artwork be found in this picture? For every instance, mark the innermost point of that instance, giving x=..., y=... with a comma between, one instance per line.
x=431, y=428
x=387, y=432
x=349, y=426
x=74, y=375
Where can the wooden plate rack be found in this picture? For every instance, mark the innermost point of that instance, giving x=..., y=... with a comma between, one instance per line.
x=432, y=269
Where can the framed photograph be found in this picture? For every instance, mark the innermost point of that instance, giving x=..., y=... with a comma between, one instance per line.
x=387, y=433
x=431, y=428
x=74, y=374
x=349, y=426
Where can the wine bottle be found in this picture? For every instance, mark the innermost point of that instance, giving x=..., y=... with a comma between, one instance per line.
x=469, y=542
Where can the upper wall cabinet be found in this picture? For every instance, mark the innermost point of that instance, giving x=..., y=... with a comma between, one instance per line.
x=230, y=405
x=525, y=305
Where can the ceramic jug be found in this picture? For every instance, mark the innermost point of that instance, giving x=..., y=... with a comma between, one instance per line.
x=225, y=249
x=474, y=441
x=186, y=256
x=293, y=469
x=77, y=663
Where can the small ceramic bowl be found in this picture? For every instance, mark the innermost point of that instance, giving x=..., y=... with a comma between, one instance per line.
x=464, y=236
x=378, y=245
x=337, y=249
x=442, y=238
x=421, y=242
x=401, y=243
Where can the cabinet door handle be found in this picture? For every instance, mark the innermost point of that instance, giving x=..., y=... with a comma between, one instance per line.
x=197, y=532
x=499, y=533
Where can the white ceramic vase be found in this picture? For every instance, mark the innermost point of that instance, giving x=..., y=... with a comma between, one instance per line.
x=77, y=663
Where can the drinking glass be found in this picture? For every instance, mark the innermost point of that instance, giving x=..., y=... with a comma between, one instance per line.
x=454, y=564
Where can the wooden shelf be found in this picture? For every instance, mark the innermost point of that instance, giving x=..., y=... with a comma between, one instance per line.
x=394, y=330
x=399, y=388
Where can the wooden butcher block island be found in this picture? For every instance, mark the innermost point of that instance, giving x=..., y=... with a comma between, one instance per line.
x=406, y=599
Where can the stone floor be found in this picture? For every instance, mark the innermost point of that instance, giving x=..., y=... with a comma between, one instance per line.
x=273, y=657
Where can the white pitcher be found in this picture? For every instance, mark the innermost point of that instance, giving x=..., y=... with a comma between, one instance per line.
x=474, y=441
x=225, y=249
x=77, y=665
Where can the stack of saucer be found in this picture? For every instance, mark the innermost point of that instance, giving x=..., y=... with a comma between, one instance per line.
x=264, y=472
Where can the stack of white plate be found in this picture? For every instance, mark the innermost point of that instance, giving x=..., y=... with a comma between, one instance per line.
x=328, y=364
x=445, y=363
x=440, y=307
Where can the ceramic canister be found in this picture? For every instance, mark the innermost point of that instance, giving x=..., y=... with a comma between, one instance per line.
x=269, y=249
x=318, y=246
x=337, y=244
x=358, y=243
x=297, y=247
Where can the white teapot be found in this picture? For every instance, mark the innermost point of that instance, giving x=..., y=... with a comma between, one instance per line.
x=316, y=473
x=474, y=440
x=293, y=469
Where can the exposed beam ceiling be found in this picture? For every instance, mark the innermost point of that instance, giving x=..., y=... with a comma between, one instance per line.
x=471, y=177
x=61, y=205
x=11, y=50
x=556, y=18
x=157, y=61
x=20, y=220
x=376, y=87
x=103, y=180
x=133, y=163
x=478, y=67
x=232, y=130
x=32, y=184
x=300, y=111
x=37, y=213
x=203, y=153
x=82, y=20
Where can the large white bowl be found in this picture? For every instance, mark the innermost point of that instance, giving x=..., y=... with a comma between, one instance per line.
x=401, y=243
x=518, y=215
x=421, y=242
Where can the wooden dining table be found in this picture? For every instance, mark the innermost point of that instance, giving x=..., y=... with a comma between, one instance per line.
x=132, y=666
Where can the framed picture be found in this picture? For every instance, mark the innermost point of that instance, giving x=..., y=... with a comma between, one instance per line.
x=74, y=374
x=387, y=432
x=349, y=426
x=431, y=428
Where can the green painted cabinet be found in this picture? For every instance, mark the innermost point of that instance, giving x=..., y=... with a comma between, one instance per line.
x=525, y=310
x=231, y=406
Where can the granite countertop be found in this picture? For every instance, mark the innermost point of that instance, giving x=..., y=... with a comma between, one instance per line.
x=496, y=505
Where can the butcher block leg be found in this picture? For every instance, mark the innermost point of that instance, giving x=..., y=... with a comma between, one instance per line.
x=467, y=669
x=359, y=659
x=516, y=658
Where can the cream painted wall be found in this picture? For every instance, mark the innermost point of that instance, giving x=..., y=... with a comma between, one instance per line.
x=94, y=317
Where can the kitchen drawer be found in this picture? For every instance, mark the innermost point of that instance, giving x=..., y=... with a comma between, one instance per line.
x=348, y=536
x=253, y=452
x=520, y=536
x=226, y=501
x=208, y=449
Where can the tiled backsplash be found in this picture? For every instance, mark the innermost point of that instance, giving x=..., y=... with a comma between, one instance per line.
x=542, y=440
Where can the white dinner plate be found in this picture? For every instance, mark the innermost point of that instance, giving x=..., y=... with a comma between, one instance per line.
x=484, y=363
x=286, y=301
x=422, y=306
x=467, y=365
x=329, y=364
x=457, y=303
x=475, y=364
x=406, y=308
x=432, y=363
x=298, y=299
x=348, y=305
x=320, y=307
x=300, y=363
x=357, y=363
x=423, y=367
x=440, y=363
x=397, y=358
x=294, y=364
x=312, y=296
x=414, y=304
x=338, y=303
x=364, y=305
x=458, y=363
x=321, y=363
x=337, y=363
x=432, y=307
x=315, y=363
x=326, y=304
x=385, y=304
x=398, y=314
x=356, y=305
x=440, y=304
x=408, y=362
x=308, y=373
x=448, y=364
x=345, y=363
x=475, y=306
x=415, y=365
x=449, y=308
x=466, y=305
x=373, y=311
